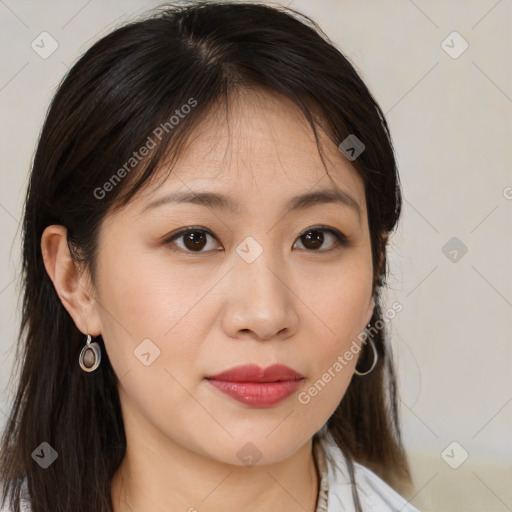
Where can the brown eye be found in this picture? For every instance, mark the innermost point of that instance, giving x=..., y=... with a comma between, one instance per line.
x=196, y=240
x=192, y=240
x=314, y=238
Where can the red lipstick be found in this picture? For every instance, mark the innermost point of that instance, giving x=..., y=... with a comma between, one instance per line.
x=258, y=387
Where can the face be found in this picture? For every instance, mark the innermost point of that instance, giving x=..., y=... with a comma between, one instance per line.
x=188, y=290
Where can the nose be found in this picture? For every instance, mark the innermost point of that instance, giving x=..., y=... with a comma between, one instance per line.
x=261, y=303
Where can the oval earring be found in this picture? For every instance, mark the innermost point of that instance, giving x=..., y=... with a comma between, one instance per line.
x=375, y=359
x=90, y=356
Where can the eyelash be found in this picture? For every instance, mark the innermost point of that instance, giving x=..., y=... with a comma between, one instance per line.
x=341, y=239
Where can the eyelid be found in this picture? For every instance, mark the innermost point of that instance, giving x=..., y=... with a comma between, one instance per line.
x=186, y=230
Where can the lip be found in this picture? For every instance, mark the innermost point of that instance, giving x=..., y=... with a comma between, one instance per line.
x=258, y=387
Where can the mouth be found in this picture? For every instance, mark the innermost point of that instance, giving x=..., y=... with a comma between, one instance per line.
x=258, y=387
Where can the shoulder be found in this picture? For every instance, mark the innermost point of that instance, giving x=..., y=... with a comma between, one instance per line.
x=374, y=494
x=25, y=507
x=25, y=500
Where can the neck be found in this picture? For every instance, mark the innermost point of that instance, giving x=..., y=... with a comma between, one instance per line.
x=178, y=479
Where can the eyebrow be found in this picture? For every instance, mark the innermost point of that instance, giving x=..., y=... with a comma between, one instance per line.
x=222, y=202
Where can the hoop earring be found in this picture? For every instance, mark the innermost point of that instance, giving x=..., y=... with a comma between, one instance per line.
x=90, y=356
x=375, y=359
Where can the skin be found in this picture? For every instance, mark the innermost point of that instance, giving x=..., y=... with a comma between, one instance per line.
x=207, y=312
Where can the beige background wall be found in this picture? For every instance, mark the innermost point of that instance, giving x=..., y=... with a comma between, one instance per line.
x=450, y=112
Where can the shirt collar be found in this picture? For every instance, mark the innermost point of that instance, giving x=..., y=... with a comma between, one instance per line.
x=321, y=470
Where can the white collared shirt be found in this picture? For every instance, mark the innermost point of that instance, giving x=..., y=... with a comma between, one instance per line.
x=335, y=488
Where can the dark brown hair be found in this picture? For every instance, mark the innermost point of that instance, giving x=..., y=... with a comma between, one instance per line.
x=127, y=84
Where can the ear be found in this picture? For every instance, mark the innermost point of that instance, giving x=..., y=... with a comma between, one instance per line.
x=382, y=259
x=379, y=272
x=369, y=314
x=71, y=283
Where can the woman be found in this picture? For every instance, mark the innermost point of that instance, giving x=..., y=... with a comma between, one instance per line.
x=204, y=248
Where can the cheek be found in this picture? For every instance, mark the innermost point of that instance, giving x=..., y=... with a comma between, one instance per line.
x=143, y=299
x=339, y=296
x=148, y=328
x=339, y=305
x=135, y=306
x=146, y=294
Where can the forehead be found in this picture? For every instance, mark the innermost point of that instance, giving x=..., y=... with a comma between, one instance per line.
x=258, y=145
